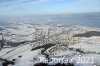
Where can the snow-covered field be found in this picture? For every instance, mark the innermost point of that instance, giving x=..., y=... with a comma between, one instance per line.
x=19, y=32
x=81, y=51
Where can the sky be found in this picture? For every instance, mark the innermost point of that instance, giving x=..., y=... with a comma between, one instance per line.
x=44, y=7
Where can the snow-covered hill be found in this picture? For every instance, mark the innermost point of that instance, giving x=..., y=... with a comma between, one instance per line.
x=81, y=51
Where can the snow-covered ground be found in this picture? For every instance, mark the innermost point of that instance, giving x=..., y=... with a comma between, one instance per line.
x=19, y=32
x=86, y=52
x=23, y=55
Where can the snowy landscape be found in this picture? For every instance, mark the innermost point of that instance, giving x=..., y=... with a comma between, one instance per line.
x=49, y=32
x=26, y=44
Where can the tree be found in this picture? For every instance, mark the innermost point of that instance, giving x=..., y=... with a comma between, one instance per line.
x=2, y=42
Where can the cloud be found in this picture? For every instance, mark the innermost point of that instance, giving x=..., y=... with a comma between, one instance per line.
x=19, y=3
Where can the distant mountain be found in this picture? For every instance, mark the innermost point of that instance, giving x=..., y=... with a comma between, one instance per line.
x=88, y=19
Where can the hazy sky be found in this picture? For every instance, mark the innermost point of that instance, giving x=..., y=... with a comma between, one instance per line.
x=31, y=7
